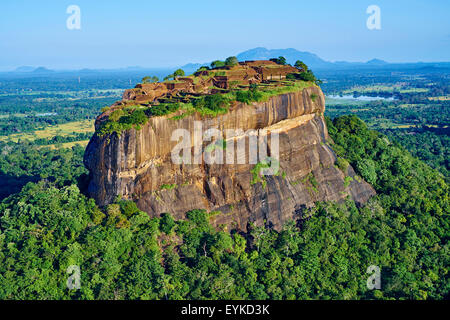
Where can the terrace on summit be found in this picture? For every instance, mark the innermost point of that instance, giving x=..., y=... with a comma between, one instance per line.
x=209, y=92
x=210, y=81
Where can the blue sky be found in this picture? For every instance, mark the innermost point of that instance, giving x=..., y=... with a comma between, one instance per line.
x=168, y=33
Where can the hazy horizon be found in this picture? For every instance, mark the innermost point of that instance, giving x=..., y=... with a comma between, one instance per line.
x=130, y=67
x=165, y=35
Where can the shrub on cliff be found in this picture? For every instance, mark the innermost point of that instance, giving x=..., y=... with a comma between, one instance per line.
x=305, y=76
x=164, y=108
x=123, y=119
x=248, y=96
x=217, y=64
x=149, y=79
x=231, y=61
x=177, y=73
x=167, y=223
x=202, y=68
x=280, y=60
x=301, y=65
x=138, y=117
x=213, y=104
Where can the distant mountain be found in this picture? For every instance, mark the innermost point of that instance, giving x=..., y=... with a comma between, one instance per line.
x=376, y=62
x=192, y=67
x=134, y=68
x=291, y=55
x=87, y=70
x=42, y=70
x=24, y=69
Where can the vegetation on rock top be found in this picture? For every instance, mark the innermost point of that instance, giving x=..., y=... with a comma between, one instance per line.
x=135, y=116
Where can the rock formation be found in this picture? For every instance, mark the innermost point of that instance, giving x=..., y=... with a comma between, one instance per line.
x=137, y=164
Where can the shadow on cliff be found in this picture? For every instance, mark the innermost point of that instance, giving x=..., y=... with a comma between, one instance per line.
x=10, y=184
x=83, y=183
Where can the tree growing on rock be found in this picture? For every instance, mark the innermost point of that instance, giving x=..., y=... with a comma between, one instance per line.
x=176, y=74
x=280, y=60
x=231, y=61
x=217, y=64
x=149, y=79
x=301, y=65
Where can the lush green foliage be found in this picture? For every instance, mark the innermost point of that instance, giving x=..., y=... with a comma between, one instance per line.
x=25, y=162
x=179, y=73
x=123, y=254
x=304, y=76
x=280, y=60
x=164, y=108
x=248, y=96
x=123, y=119
x=231, y=61
x=150, y=79
x=212, y=104
x=301, y=65
x=203, y=68
x=428, y=144
x=413, y=197
x=217, y=64
x=175, y=74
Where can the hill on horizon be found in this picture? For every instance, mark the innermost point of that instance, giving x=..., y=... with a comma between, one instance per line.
x=312, y=60
x=291, y=55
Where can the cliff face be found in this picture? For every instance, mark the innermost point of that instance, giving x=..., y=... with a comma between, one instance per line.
x=137, y=165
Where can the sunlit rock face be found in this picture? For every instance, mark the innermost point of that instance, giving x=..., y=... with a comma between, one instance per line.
x=138, y=165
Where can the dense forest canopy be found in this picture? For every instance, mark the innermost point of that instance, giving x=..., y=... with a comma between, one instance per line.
x=123, y=254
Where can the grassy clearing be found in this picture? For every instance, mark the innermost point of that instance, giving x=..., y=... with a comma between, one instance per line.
x=384, y=88
x=350, y=102
x=65, y=129
x=18, y=115
x=367, y=89
x=287, y=88
x=414, y=90
x=440, y=98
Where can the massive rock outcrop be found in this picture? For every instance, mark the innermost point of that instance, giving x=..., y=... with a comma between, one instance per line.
x=137, y=165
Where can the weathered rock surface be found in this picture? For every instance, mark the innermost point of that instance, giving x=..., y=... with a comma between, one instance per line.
x=136, y=164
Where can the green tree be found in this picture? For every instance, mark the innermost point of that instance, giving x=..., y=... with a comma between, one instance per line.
x=231, y=61
x=217, y=64
x=167, y=223
x=203, y=68
x=280, y=60
x=150, y=79
x=366, y=168
x=178, y=73
x=301, y=65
